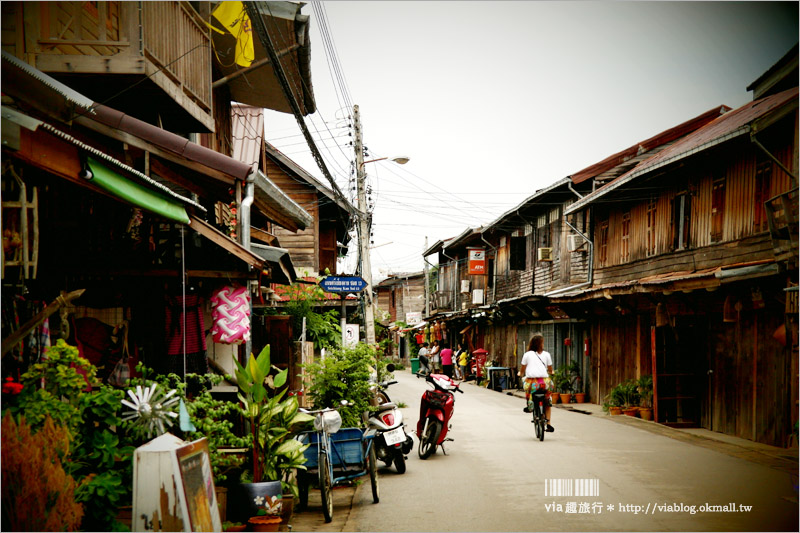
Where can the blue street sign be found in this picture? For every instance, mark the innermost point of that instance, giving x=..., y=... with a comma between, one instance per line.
x=343, y=284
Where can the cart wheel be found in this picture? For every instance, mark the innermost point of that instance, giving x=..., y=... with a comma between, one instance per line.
x=325, y=487
x=373, y=475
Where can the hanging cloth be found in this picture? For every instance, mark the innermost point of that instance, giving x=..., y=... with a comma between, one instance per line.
x=196, y=362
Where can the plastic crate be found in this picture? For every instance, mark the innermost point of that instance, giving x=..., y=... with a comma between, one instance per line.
x=347, y=447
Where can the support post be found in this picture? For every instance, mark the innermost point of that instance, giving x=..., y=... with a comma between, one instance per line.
x=363, y=233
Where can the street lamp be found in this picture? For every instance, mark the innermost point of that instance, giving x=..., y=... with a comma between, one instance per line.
x=363, y=228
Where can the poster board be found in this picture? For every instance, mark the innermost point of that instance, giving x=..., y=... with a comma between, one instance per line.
x=173, y=486
x=194, y=464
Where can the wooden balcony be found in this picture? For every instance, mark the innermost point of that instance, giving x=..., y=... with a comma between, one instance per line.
x=154, y=57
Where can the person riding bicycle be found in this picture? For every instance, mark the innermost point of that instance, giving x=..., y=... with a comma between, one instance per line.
x=537, y=367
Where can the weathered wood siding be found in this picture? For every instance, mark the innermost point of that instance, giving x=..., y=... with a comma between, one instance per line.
x=628, y=258
x=303, y=245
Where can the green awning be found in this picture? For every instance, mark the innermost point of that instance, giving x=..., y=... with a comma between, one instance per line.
x=136, y=194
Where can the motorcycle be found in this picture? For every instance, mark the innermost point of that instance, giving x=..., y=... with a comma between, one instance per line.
x=392, y=444
x=435, y=412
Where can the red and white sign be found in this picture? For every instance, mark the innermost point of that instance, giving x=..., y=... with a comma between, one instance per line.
x=477, y=260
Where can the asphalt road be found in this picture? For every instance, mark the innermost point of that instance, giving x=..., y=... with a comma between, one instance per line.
x=493, y=477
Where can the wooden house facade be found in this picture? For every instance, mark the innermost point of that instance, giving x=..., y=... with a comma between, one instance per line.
x=119, y=202
x=692, y=280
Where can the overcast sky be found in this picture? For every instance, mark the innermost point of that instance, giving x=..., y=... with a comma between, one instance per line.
x=495, y=100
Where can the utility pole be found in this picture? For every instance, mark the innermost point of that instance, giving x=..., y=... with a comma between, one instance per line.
x=427, y=283
x=363, y=233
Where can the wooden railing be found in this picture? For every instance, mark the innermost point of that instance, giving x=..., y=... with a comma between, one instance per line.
x=176, y=40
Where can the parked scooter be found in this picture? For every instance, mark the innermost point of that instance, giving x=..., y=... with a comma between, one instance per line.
x=392, y=444
x=435, y=412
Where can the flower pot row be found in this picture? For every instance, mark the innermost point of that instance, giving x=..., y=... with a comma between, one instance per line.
x=578, y=397
x=645, y=413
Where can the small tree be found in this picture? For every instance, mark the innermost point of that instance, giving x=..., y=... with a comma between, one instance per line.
x=344, y=375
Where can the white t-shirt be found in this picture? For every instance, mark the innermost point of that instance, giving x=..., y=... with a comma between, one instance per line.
x=536, y=364
x=423, y=351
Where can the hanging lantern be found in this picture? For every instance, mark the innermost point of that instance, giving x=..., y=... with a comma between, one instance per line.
x=231, y=314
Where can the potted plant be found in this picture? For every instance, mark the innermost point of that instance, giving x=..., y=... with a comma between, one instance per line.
x=577, y=382
x=563, y=383
x=630, y=395
x=645, y=389
x=614, y=400
x=273, y=422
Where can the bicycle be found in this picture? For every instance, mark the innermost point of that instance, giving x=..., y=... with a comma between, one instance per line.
x=536, y=407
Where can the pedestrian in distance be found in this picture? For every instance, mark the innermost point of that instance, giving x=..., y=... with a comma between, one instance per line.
x=434, y=356
x=536, y=369
x=462, y=357
x=424, y=362
x=446, y=356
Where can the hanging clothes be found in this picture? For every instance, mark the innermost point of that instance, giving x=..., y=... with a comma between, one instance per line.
x=195, y=338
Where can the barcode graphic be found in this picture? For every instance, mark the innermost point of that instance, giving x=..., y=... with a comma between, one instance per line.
x=572, y=487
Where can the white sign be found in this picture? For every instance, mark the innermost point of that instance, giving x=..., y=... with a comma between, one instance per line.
x=412, y=319
x=350, y=335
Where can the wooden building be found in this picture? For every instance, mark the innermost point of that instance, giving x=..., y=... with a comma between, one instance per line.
x=693, y=278
x=105, y=190
x=401, y=301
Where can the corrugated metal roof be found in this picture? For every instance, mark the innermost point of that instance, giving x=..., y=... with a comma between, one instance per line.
x=649, y=145
x=537, y=195
x=727, y=127
x=247, y=132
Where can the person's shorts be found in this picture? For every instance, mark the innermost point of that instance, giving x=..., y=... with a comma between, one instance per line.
x=534, y=384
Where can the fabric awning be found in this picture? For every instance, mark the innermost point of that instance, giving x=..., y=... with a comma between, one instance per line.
x=138, y=195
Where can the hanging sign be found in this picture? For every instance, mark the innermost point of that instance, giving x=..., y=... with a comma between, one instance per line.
x=343, y=284
x=477, y=260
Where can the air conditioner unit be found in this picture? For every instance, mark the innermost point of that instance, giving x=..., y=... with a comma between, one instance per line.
x=544, y=254
x=464, y=286
x=477, y=297
x=575, y=242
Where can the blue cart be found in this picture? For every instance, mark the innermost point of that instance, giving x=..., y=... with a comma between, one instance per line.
x=333, y=456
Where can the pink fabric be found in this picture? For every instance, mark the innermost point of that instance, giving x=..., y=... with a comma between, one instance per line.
x=231, y=314
x=447, y=356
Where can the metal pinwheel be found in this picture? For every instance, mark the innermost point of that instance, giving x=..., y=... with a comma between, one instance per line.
x=152, y=409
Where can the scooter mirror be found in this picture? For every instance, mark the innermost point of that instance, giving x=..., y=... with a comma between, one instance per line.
x=390, y=367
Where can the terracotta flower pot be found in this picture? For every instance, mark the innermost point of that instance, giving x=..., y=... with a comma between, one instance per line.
x=580, y=397
x=566, y=397
x=264, y=523
x=554, y=397
x=613, y=410
x=646, y=413
x=631, y=411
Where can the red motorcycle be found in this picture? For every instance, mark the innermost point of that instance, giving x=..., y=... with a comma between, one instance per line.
x=435, y=413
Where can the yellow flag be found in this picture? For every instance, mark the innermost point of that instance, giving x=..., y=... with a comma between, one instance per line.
x=234, y=17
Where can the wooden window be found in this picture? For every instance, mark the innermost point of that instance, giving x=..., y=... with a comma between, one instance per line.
x=625, y=237
x=763, y=178
x=650, y=249
x=543, y=232
x=717, y=209
x=602, y=242
x=680, y=221
x=517, y=253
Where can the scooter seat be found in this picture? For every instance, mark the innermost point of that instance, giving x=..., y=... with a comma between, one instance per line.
x=386, y=407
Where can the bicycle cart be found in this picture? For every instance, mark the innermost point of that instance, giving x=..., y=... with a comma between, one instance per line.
x=335, y=455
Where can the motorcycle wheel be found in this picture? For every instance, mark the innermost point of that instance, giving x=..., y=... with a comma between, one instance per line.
x=373, y=475
x=325, y=488
x=427, y=444
x=400, y=462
